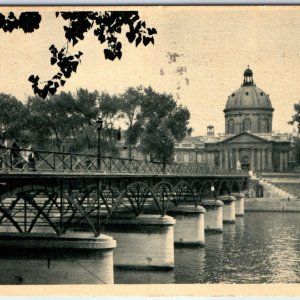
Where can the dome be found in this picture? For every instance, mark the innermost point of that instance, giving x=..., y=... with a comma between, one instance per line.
x=248, y=96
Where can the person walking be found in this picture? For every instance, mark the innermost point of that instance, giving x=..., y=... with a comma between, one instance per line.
x=31, y=158
x=15, y=154
x=2, y=151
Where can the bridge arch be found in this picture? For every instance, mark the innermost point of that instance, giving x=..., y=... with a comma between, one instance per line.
x=183, y=192
x=134, y=197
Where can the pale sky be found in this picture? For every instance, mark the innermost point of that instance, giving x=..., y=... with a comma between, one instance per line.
x=215, y=43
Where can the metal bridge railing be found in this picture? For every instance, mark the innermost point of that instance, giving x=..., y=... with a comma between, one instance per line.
x=27, y=160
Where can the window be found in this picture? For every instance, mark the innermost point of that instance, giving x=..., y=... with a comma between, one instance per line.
x=247, y=93
x=247, y=125
x=264, y=125
x=199, y=157
x=230, y=126
x=186, y=157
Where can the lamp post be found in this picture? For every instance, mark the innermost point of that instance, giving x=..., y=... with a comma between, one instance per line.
x=99, y=123
x=164, y=154
x=64, y=150
x=196, y=151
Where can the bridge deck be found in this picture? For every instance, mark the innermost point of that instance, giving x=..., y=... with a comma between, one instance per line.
x=32, y=163
x=85, y=174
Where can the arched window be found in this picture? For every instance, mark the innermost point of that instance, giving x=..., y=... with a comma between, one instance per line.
x=231, y=126
x=264, y=125
x=247, y=125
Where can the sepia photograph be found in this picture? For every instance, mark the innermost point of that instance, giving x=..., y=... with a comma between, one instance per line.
x=144, y=145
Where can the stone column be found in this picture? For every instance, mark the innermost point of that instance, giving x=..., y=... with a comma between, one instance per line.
x=189, y=229
x=239, y=204
x=230, y=159
x=37, y=247
x=270, y=160
x=252, y=159
x=237, y=151
x=226, y=159
x=263, y=159
x=281, y=161
x=286, y=160
x=259, y=159
x=213, y=219
x=221, y=159
x=137, y=245
x=228, y=208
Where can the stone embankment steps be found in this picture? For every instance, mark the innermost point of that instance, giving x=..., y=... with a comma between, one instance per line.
x=271, y=190
x=289, y=182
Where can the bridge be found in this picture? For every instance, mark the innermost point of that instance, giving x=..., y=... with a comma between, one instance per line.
x=56, y=189
x=48, y=194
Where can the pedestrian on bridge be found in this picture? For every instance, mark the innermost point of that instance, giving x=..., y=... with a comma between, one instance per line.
x=3, y=150
x=15, y=153
x=31, y=159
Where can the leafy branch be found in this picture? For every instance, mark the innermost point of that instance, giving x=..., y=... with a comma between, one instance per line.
x=27, y=21
x=108, y=26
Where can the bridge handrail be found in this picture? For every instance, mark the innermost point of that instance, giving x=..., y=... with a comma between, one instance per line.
x=22, y=159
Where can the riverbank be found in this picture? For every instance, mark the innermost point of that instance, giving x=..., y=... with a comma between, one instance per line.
x=274, y=204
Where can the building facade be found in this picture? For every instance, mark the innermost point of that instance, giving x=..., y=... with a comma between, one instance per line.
x=249, y=142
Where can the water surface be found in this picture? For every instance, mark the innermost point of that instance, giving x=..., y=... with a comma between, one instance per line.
x=261, y=247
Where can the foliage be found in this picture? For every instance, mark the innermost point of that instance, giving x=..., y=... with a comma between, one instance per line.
x=27, y=21
x=107, y=27
x=71, y=118
x=110, y=108
x=155, y=120
x=296, y=116
x=130, y=107
x=163, y=123
x=13, y=116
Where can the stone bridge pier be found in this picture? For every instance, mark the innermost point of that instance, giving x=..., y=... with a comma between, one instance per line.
x=128, y=220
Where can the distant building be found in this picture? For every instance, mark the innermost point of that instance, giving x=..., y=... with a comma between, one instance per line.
x=248, y=142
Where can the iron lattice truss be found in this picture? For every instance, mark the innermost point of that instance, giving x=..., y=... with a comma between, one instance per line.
x=58, y=203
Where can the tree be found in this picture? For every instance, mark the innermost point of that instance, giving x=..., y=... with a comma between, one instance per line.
x=110, y=109
x=107, y=27
x=296, y=116
x=131, y=107
x=155, y=120
x=13, y=117
x=53, y=117
x=71, y=118
x=85, y=111
x=163, y=122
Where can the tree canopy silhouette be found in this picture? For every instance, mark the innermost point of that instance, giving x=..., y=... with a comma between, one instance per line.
x=296, y=116
x=107, y=27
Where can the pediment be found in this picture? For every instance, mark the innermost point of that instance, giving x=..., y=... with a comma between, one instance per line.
x=244, y=137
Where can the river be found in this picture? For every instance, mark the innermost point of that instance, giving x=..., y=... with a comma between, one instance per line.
x=261, y=247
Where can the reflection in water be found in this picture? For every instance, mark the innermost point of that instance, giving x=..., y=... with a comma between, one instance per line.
x=262, y=247
x=189, y=266
x=142, y=277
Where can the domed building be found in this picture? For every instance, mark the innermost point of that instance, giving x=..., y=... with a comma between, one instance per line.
x=249, y=142
x=248, y=109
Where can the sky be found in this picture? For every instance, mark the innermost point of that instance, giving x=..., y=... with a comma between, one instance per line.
x=214, y=46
